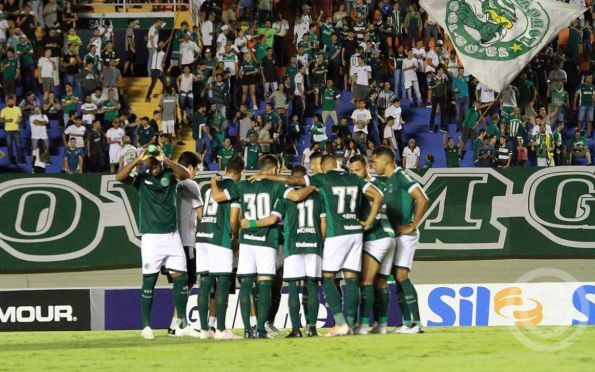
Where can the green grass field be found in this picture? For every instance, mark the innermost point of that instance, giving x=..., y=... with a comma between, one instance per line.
x=493, y=348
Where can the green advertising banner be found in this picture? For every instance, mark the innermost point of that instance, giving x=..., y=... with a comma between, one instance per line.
x=88, y=222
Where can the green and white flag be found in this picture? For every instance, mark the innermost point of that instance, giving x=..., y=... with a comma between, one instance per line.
x=496, y=39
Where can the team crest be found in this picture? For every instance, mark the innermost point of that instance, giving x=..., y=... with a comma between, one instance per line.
x=496, y=30
x=164, y=182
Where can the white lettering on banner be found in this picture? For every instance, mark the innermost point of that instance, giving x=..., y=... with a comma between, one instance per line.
x=31, y=314
x=514, y=304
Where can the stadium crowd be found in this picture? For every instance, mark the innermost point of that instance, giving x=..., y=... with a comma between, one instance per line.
x=253, y=79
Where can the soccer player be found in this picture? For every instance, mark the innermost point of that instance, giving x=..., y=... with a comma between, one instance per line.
x=259, y=240
x=160, y=242
x=342, y=195
x=214, y=251
x=189, y=203
x=304, y=226
x=406, y=203
x=377, y=261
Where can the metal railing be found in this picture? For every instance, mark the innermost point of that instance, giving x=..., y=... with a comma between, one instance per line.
x=132, y=5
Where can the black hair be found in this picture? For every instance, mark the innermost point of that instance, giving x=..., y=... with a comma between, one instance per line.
x=385, y=151
x=188, y=158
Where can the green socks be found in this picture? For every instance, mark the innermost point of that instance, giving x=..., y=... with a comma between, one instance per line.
x=181, y=297
x=221, y=299
x=275, y=302
x=409, y=298
x=305, y=299
x=146, y=298
x=312, y=301
x=206, y=281
x=403, y=306
x=352, y=301
x=293, y=303
x=383, y=297
x=366, y=304
x=264, y=303
x=245, y=304
x=333, y=299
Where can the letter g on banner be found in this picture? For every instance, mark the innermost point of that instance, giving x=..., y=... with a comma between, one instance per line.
x=47, y=219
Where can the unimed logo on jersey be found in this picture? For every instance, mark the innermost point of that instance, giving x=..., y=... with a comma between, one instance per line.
x=45, y=310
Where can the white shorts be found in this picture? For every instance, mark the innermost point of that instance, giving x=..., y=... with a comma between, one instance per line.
x=543, y=162
x=114, y=154
x=257, y=260
x=162, y=250
x=168, y=126
x=405, y=251
x=213, y=259
x=383, y=251
x=343, y=253
x=302, y=266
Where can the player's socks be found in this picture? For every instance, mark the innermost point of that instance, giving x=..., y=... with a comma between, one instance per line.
x=264, y=303
x=206, y=282
x=175, y=323
x=245, y=303
x=313, y=301
x=146, y=298
x=353, y=298
x=403, y=306
x=411, y=300
x=366, y=304
x=293, y=303
x=333, y=299
x=181, y=297
x=275, y=302
x=383, y=297
x=222, y=298
x=305, y=299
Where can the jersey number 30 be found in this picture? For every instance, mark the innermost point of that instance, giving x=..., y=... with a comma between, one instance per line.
x=257, y=206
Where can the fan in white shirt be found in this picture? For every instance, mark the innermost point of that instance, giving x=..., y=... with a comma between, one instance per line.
x=361, y=117
x=411, y=155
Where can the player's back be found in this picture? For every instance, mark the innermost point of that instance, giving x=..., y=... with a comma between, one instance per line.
x=258, y=200
x=302, y=225
x=342, y=194
x=214, y=227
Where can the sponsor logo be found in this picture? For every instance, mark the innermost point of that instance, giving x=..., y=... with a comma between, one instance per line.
x=496, y=30
x=254, y=237
x=164, y=182
x=306, y=245
x=31, y=314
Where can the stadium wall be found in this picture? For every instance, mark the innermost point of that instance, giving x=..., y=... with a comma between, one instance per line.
x=73, y=223
x=511, y=304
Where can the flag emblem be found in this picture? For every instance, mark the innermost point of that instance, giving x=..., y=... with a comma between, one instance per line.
x=496, y=30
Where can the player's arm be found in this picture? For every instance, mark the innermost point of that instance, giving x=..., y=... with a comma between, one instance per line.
x=297, y=196
x=218, y=195
x=234, y=220
x=421, y=204
x=180, y=171
x=123, y=174
x=288, y=180
x=376, y=198
x=323, y=228
x=264, y=222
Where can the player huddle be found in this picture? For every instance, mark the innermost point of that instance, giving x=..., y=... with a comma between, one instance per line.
x=308, y=230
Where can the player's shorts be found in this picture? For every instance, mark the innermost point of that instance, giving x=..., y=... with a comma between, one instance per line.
x=162, y=250
x=168, y=126
x=342, y=253
x=213, y=259
x=190, y=263
x=405, y=250
x=255, y=260
x=302, y=266
x=383, y=251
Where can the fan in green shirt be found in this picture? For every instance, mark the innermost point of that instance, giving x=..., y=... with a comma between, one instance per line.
x=252, y=152
x=10, y=67
x=225, y=153
x=452, y=152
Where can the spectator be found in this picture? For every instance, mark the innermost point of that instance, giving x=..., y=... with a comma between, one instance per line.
x=130, y=47
x=351, y=150
x=314, y=147
x=11, y=72
x=227, y=152
x=110, y=108
x=578, y=148
x=88, y=111
x=460, y=88
x=486, y=153
x=111, y=78
x=40, y=156
x=452, y=152
x=361, y=76
x=264, y=137
x=584, y=100
x=39, y=123
x=156, y=67
x=410, y=79
x=252, y=152
x=504, y=153
x=73, y=158
x=411, y=155
x=114, y=136
x=47, y=67
x=12, y=117
x=69, y=101
x=26, y=55
x=543, y=145
x=249, y=74
x=96, y=144
x=153, y=46
x=77, y=131
x=361, y=118
x=439, y=88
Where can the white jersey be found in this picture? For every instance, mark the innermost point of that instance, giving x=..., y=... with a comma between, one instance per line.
x=188, y=200
x=88, y=118
x=38, y=131
x=78, y=133
x=395, y=112
x=186, y=83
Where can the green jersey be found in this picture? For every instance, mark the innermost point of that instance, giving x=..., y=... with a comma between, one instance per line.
x=326, y=32
x=342, y=196
x=291, y=71
x=329, y=99
x=400, y=206
x=294, y=127
x=332, y=50
x=319, y=72
x=215, y=227
x=261, y=51
x=110, y=115
x=198, y=123
x=273, y=117
x=381, y=228
x=452, y=157
x=225, y=154
x=157, y=202
x=318, y=128
x=471, y=119
x=258, y=200
x=145, y=135
x=586, y=94
x=302, y=225
x=10, y=66
x=252, y=153
x=26, y=53
x=248, y=66
x=559, y=98
x=68, y=103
